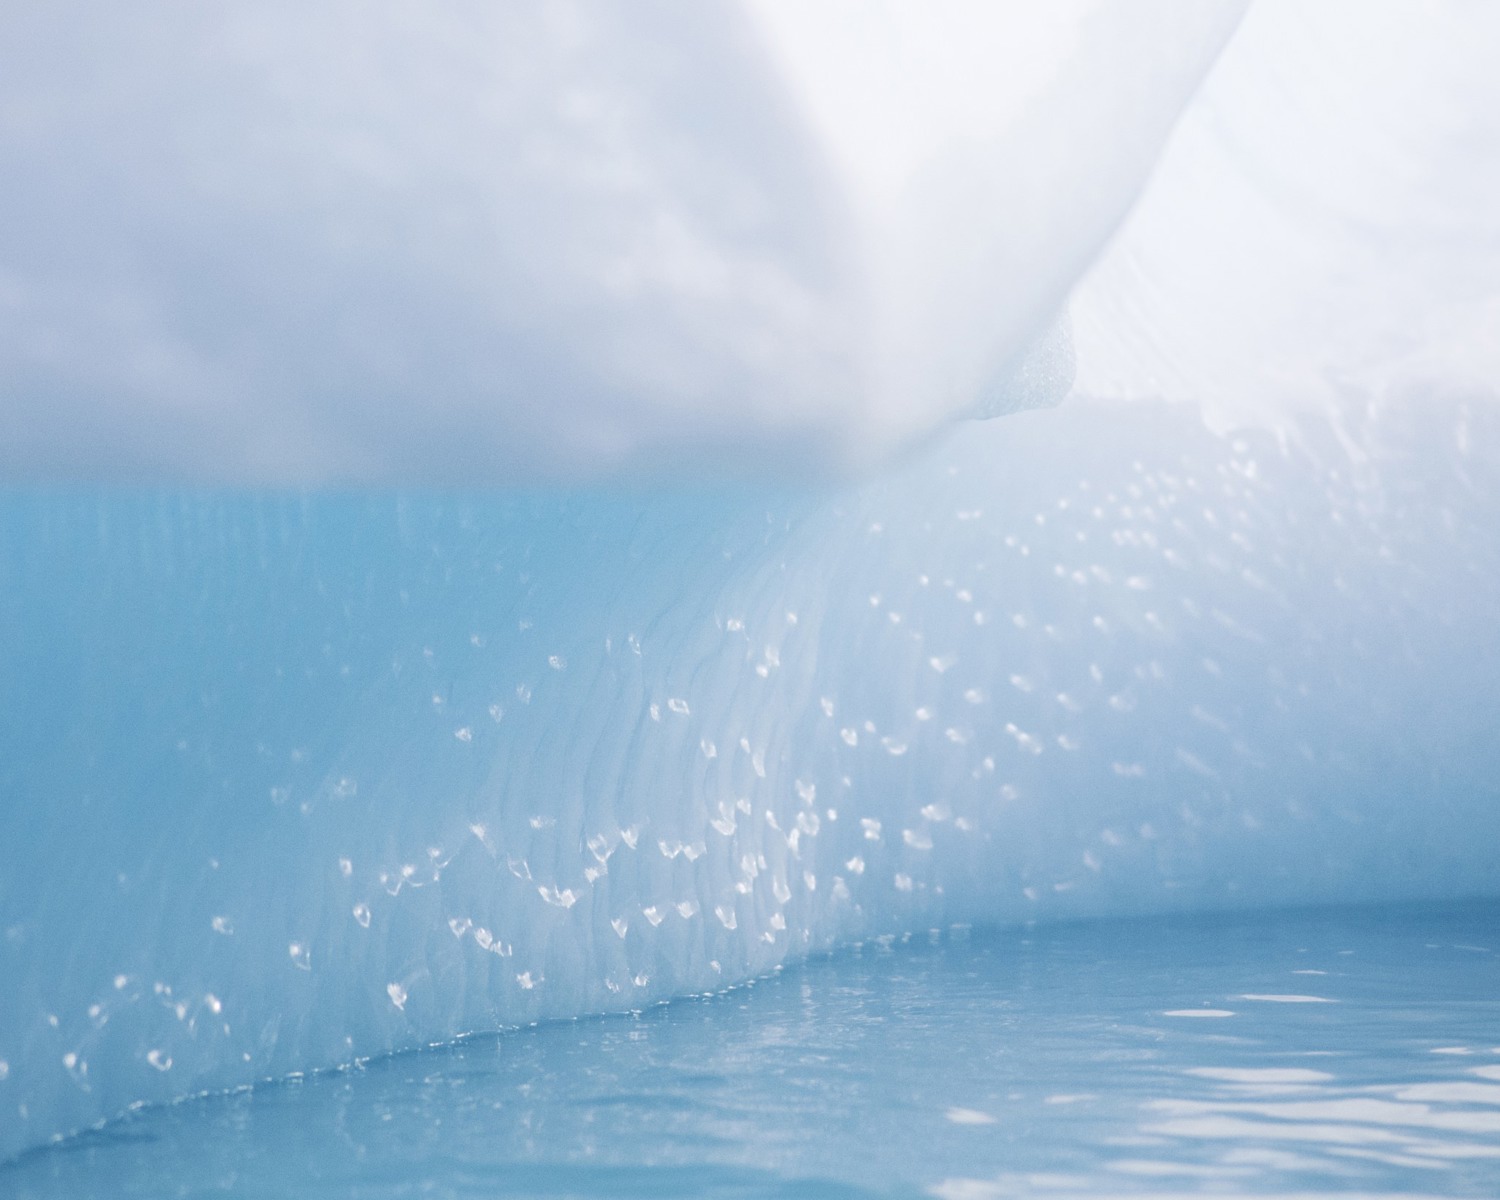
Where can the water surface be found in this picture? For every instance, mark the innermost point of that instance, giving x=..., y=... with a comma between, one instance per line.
x=1342, y=1051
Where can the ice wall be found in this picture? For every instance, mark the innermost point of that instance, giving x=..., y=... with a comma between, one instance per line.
x=290, y=781
x=269, y=241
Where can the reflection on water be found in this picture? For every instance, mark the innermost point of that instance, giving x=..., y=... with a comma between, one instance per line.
x=1352, y=1052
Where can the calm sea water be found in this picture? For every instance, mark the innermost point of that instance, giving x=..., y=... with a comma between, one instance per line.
x=1340, y=1052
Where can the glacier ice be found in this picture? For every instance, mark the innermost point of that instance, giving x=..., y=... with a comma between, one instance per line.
x=283, y=243
x=272, y=242
x=289, y=779
x=294, y=780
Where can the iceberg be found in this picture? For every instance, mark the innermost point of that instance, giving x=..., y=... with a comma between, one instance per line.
x=296, y=780
x=702, y=634
x=308, y=244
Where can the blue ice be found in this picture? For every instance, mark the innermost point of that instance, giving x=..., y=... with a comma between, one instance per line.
x=490, y=531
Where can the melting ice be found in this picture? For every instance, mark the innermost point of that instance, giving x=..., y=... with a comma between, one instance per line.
x=293, y=778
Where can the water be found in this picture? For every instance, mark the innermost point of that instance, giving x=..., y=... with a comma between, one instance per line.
x=1334, y=1051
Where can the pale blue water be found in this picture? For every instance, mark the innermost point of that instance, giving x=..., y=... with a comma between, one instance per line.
x=1336, y=1051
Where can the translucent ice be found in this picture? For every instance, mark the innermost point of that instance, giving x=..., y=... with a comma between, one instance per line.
x=291, y=781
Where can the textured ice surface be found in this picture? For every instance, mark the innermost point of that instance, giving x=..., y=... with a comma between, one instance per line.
x=274, y=241
x=291, y=781
x=271, y=241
